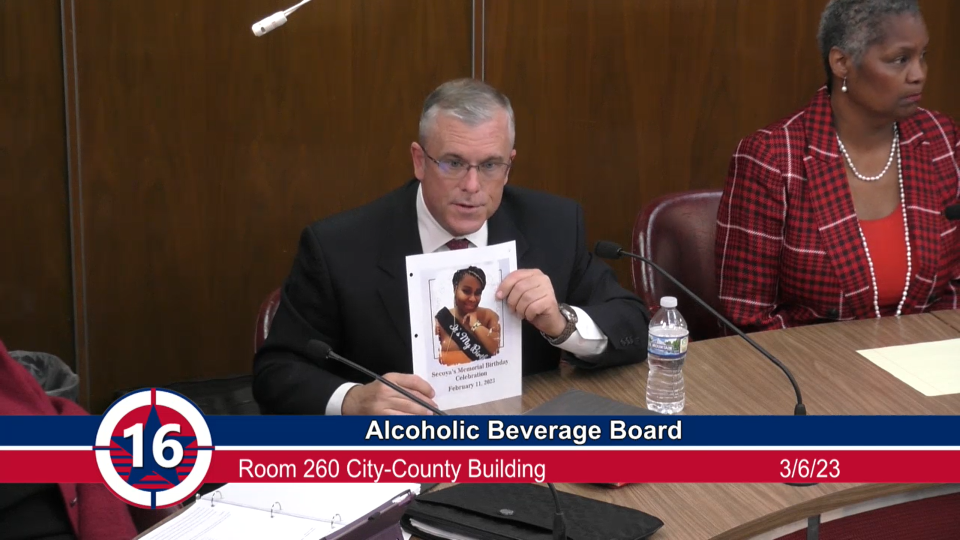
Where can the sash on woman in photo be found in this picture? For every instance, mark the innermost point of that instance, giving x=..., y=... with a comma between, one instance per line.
x=462, y=336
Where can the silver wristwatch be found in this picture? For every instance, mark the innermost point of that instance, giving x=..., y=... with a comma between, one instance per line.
x=571, y=316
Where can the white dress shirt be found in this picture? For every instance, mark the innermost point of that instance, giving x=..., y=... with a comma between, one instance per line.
x=586, y=340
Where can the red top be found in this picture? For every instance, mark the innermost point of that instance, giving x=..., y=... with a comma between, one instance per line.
x=888, y=250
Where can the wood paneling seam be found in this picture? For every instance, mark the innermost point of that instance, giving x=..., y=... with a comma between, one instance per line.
x=473, y=39
x=75, y=199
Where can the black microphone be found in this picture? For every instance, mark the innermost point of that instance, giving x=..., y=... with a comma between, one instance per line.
x=609, y=250
x=952, y=212
x=318, y=350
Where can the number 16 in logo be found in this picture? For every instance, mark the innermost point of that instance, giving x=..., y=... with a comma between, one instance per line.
x=153, y=448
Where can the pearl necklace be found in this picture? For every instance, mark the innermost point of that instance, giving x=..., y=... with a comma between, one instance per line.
x=893, y=148
x=906, y=233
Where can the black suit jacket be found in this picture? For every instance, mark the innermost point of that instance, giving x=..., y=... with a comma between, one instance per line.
x=347, y=287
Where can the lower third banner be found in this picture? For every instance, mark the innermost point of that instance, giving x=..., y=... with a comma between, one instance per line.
x=154, y=448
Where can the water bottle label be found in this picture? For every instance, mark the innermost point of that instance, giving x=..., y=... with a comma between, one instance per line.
x=667, y=347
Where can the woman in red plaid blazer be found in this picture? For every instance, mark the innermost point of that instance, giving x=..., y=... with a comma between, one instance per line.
x=836, y=212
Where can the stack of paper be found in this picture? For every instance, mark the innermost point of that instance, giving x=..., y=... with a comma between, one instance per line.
x=932, y=368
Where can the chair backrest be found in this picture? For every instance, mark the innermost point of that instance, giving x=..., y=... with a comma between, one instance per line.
x=677, y=231
x=227, y=395
x=933, y=518
x=145, y=518
x=265, y=318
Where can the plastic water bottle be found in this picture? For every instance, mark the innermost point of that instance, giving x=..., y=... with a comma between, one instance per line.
x=666, y=352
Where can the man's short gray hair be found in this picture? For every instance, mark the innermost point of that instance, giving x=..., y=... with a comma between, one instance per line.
x=471, y=101
x=854, y=25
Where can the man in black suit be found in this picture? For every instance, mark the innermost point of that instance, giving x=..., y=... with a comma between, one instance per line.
x=348, y=285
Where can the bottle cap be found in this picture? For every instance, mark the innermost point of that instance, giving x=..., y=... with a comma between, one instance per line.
x=668, y=302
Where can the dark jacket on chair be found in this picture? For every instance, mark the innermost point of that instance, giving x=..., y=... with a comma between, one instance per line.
x=348, y=288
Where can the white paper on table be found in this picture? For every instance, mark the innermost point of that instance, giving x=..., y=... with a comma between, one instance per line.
x=430, y=288
x=228, y=522
x=342, y=502
x=931, y=368
x=300, y=511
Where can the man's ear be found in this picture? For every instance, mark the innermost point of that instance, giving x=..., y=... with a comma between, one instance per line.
x=513, y=157
x=416, y=154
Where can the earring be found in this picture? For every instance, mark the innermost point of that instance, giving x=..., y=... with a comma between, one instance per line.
x=844, y=87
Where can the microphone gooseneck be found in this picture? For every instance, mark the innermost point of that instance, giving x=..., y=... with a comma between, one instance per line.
x=559, y=522
x=318, y=350
x=610, y=250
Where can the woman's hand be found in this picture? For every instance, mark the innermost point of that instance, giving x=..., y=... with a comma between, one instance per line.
x=471, y=321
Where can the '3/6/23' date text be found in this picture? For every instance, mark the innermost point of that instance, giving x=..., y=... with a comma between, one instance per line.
x=810, y=469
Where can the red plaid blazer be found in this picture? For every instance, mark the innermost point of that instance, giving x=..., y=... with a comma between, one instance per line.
x=788, y=249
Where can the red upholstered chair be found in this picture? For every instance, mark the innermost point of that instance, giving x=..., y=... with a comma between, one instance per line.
x=677, y=232
x=935, y=518
x=265, y=318
x=145, y=518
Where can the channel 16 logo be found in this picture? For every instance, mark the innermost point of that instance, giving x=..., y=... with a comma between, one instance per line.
x=153, y=448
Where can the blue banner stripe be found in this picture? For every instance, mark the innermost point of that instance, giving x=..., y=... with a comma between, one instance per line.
x=48, y=430
x=570, y=431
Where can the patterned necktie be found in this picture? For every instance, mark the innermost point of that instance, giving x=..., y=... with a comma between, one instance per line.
x=458, y=243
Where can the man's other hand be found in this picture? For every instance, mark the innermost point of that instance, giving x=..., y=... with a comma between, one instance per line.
x=377, y=398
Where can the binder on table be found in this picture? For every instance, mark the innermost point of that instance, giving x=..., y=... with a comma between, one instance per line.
x=294, y=511
x=513, y=511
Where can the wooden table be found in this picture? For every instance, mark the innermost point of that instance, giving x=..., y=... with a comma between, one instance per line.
x=726, y=376
x=950, y=317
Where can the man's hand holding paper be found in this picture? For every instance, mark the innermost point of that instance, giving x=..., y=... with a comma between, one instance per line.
x=529, y=293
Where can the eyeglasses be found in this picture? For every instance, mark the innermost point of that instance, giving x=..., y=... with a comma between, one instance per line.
x=455, y=168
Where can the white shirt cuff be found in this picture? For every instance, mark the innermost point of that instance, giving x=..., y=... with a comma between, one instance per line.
x=335, y=405
x=587, y=340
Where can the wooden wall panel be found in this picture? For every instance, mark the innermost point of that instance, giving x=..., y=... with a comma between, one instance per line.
x=618, y=102
x=206, y=150
x=943, y=78
x=36, y=303
x=202, y=150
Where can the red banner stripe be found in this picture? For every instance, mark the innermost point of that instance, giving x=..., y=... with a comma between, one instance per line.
x=601, y=466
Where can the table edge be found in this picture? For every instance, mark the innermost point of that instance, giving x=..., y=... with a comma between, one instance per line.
x=859, y=493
